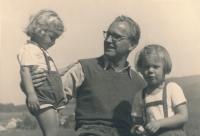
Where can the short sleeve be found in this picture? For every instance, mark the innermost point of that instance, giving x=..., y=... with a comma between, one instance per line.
x=28, y=55
x=138, y=105
x=177, y=95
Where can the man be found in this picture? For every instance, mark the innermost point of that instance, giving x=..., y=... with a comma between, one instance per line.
x=104, y=87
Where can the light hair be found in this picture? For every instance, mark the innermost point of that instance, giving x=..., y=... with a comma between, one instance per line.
x=44, y=20
x=159, y=51
x=134, y=28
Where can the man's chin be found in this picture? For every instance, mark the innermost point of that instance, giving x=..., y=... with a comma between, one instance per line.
x=109, y=55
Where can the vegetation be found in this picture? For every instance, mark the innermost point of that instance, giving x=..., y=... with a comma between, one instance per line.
x=29, y=126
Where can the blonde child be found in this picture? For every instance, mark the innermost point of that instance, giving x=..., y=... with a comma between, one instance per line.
x=43, y=102
x=161, y=106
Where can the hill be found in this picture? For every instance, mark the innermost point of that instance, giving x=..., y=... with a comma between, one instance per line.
x=186, y=80
x=191, y=88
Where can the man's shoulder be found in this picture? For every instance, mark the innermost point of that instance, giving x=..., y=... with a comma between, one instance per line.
x=138, y=79
x=135, y=74
x=88, y=61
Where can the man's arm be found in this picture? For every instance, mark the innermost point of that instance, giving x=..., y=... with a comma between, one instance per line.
x=64, y=70
x=72, y=80
x=38, y=77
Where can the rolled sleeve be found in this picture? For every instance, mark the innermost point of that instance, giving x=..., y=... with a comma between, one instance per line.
x=72, y=80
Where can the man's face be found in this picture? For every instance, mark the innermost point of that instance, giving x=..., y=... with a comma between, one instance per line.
x=117, y=48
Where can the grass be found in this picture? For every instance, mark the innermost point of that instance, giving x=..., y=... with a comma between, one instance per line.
x=36, y=132
x=6, y=116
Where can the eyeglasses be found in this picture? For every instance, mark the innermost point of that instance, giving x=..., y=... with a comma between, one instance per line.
x=115, y=37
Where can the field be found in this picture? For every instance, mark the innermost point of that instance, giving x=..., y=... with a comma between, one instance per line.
x=190, y=85
x=191, y=127
x=36, y=132
x=6, y=116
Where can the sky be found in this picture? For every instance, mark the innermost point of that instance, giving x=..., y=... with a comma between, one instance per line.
x=174, y=24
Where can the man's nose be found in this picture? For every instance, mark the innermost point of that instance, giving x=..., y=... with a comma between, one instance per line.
x=109, y=39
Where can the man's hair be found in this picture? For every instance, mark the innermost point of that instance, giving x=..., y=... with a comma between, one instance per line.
x=159, y=51
x=134, y=28
x=44, y=20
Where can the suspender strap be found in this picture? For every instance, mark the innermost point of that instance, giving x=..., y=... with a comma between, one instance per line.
x=144, y=101
x=154, y=103
x=163, y=102
x=165, y=108
x=47, y=60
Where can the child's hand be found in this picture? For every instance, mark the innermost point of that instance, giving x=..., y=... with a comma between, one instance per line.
x=65, y=101
x=153, y=127
x=139, y=130
x=33, y=103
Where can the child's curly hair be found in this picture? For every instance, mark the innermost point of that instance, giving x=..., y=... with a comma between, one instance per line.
x=44, y=20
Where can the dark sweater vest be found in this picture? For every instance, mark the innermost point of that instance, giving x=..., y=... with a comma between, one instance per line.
x=106, y=97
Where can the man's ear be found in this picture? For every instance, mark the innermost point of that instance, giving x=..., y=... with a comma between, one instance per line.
x=132, y=47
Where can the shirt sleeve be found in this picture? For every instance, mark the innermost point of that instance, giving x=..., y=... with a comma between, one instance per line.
x=177, y=95
x=28, y=55
x=137, y=109
x=72, y=80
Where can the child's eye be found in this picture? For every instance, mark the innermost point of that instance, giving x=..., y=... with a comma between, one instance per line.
x=146, y=67
x=156, y=67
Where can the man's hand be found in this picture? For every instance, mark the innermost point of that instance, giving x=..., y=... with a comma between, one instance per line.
x=38, y=77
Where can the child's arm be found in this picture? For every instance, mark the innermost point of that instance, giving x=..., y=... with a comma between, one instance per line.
x=32, y=100
x=178, y=119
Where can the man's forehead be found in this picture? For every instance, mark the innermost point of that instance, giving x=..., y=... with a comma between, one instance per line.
x=119, y=27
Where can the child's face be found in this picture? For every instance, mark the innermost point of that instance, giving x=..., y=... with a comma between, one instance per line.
x=47, y=40
x=152, y=69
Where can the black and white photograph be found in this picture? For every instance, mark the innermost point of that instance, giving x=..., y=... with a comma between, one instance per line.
x=99, y=67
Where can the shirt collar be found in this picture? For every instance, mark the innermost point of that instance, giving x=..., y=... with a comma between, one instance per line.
x=32, y=42
x=107, y=63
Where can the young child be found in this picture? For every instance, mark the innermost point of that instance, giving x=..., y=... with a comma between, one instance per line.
x=161, y=106
x=43, y=102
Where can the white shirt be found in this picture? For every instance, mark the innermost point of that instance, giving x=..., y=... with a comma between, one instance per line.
x=31, y=55
x=175, y=96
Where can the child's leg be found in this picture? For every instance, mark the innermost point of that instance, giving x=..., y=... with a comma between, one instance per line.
x=48, y=120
